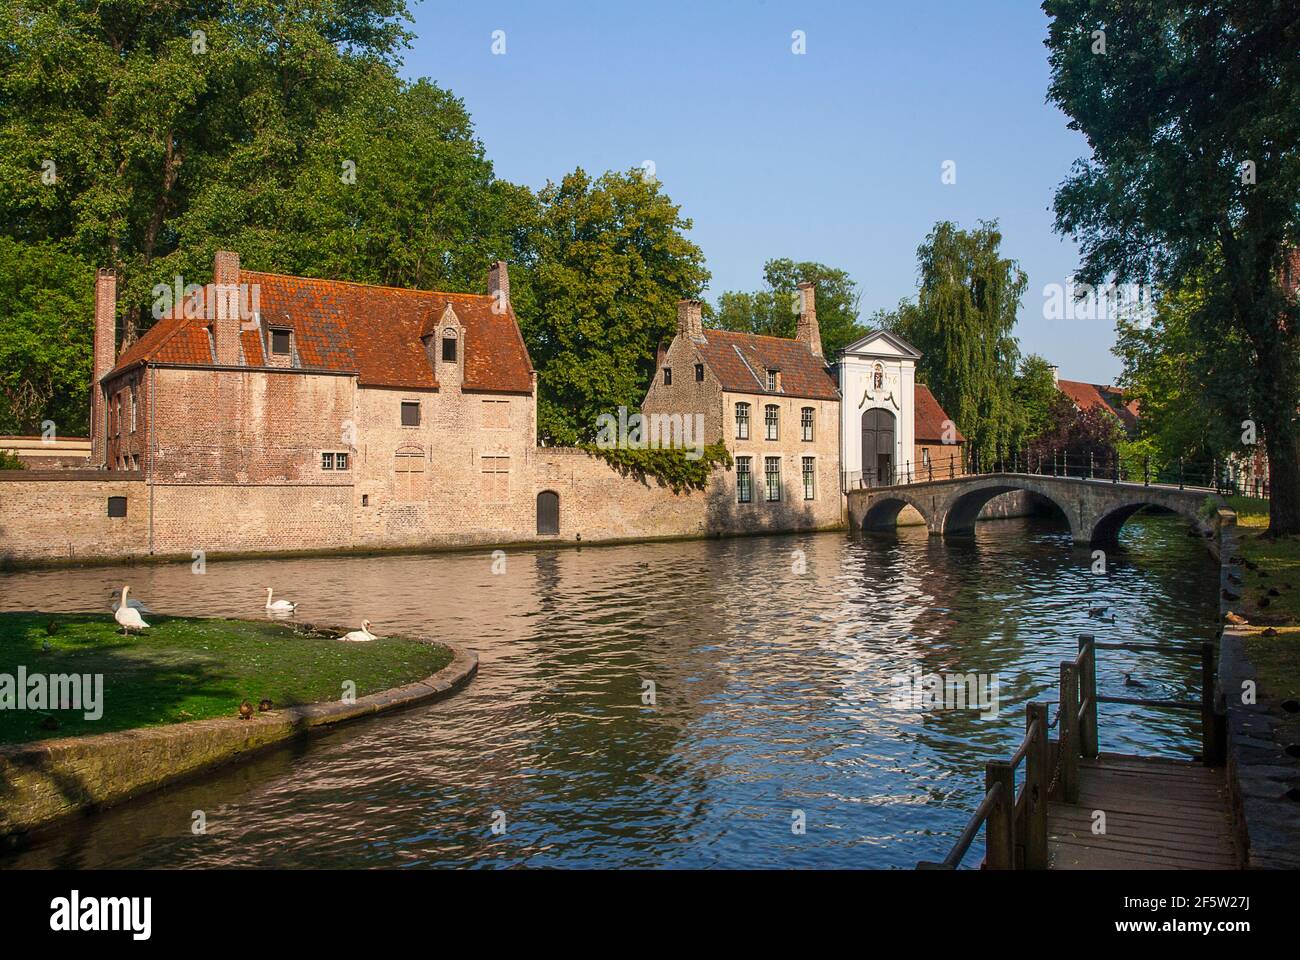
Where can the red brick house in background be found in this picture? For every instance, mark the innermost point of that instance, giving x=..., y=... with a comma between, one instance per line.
x=939, y=444
x=1093, y=396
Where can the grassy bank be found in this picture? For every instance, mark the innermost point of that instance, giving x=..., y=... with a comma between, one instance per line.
x=1270, y=597
x=190, y=669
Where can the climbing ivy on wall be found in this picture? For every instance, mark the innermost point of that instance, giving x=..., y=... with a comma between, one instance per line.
x=670, y=466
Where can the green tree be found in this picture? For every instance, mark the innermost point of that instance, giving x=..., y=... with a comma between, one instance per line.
x=115, y=117
x=608, y=260
x=1194, y=393
x=1034, y=398
x=394, y=188
x=47, y=307
x=774, y=310
x=961, y=323
x=1191, y=115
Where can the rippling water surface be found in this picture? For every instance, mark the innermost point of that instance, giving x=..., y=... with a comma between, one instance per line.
x=772, y=695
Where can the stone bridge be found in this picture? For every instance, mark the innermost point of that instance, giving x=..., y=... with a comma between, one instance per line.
x=1095, y=509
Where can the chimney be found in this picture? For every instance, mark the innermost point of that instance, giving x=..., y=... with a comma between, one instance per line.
x=689, y=320
x=225, y=321
x=499, y=282
x=105, y=356
x=806, y=330
x=1055, y=374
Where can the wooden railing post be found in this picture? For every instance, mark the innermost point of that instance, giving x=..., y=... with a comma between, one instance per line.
x=1068, y=722
x=1037, y=770
x=1088, y=695
x=999, y=828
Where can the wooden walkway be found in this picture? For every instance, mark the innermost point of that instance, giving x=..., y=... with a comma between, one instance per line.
x=1161, y=814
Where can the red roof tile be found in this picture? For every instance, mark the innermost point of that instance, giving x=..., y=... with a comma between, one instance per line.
x=929, y=418
x=371, y=331
x=739, y=361
x=1087, y=396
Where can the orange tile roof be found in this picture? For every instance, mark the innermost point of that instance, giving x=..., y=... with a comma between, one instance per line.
x=1087, y=396
x=739, y=361
x=929, y=418
x=358, y=328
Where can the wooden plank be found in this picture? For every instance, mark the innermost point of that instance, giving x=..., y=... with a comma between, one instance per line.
x=1161, y=814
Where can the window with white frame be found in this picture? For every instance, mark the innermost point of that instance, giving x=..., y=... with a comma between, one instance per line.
x=771, y=420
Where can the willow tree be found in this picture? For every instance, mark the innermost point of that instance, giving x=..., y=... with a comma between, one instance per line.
x=1190, y=111
x=961, y=322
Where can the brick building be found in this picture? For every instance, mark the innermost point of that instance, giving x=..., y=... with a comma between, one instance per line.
x=774, y=403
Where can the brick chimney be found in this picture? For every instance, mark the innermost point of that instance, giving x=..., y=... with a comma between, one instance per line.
x=499, y=280
x=689, y=321
x=806, y=329
x=225, y=320
x=105, y=356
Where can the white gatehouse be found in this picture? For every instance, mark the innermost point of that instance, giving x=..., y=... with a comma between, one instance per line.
x=877, y=409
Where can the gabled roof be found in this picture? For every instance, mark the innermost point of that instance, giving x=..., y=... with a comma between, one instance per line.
x=929, y=418
x=373, y=332
x=1089, y=396
x=740, y=362
x=900, y=346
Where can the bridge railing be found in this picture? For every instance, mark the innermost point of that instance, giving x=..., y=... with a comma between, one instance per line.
x=1015, y=823
x=1226, y=477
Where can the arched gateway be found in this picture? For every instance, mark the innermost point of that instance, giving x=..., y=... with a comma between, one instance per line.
x=879, y=428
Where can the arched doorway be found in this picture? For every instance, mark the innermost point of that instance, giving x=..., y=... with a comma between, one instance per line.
x=877, y=447
x=548, y=513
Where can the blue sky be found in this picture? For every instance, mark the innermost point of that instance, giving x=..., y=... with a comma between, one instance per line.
x=834, y=155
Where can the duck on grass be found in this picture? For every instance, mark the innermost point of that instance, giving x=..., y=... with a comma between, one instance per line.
x=187, y=668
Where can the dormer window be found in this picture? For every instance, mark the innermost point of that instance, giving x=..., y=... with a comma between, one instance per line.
x=449, y=346
x=280, y=342
x=773, y=381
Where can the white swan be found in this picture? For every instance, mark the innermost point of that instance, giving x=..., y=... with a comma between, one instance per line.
x=360, y=636
x=128, y=616
x=132, y=603
x=278, y=606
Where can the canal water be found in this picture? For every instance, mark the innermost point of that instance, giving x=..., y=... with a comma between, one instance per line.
x=774, y=663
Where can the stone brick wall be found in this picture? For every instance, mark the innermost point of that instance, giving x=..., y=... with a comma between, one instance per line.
x=63, y=515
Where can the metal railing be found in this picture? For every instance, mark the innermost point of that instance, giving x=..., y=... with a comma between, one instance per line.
x=1015, y=824
x=1220, y=476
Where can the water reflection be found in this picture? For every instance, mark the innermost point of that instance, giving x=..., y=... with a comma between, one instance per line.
x=772, y=695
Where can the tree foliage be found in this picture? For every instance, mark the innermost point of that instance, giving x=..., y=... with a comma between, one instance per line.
x=1194, y=393
x=1034, y=397
x=961, y=323
x=1191, y=116
x=774, y=310
x=607, y=262
x=47, y=306
x=1076, y=439
x=176, y=128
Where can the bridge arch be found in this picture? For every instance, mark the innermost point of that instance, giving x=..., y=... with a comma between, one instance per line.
x=964, y=508
x=1105, y=528
x=1094, y=509
x=883, y=512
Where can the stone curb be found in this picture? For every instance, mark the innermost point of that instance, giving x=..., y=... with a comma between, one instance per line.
x=1259, y=771
x=48, y=780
